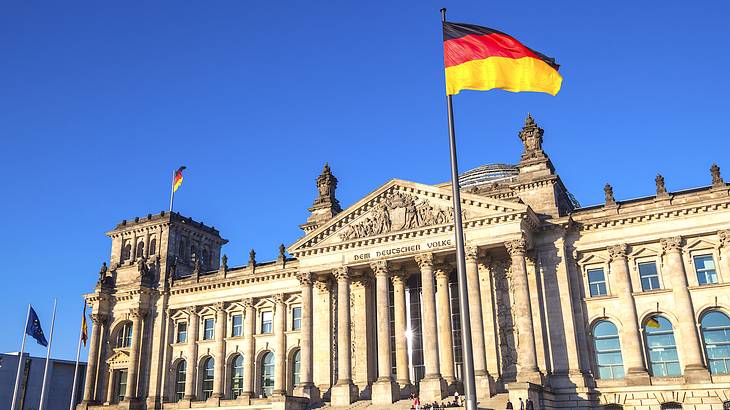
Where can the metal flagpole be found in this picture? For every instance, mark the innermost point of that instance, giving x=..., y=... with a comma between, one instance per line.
x=20, y=359
x=76, y=367
x=48, y=356
x=172, y=190
x=468, y=378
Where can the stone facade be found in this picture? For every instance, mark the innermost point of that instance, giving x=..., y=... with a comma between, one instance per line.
x=619, y=305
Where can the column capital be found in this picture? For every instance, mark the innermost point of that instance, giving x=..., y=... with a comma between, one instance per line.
x=724, y=237
x=362, y=281
x=399, y=277
x=323, y=285
x=471, y=253
x=99, y=318
x=617, y=251
x=304, y=278
x=342, y=273
x=380, y=268
x=441, y=272
x=516, y=247
x=673, y=244
x=247, y=302
x=424, y=260
x=279, y=298
x=135, y=313
x=219, y=307
x=191, y=310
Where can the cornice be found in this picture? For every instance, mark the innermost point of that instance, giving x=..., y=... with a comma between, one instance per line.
x=232, y=282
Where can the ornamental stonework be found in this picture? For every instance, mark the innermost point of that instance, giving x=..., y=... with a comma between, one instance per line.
x=396, y=212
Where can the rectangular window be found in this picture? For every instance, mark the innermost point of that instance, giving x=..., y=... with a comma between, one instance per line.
x=182, y=332
x=296, y=314
x=208, y=329
x=120, y=385
x=237, y=329
x=649, y=276
x=267, y=322
x=705, y=268
x=597, y=282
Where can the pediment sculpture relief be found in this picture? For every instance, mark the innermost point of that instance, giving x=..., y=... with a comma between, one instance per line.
x=398, y=211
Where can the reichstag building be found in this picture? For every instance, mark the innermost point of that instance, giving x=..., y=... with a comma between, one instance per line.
x=623, y=305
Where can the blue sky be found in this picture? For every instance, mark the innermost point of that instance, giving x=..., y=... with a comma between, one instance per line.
x=100, y=101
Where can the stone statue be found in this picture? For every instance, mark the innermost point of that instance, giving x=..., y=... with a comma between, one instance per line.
x=661, y=190
x=252, y=258
x=608, y=191
x=326, y=186
x=224, y=261
x=531, y=136
x=102, y=272
x=716, y=177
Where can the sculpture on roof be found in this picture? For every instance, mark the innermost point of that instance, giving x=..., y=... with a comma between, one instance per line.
x=661, y=190
x=608, y=192
x=716, y=177
x=531, y=136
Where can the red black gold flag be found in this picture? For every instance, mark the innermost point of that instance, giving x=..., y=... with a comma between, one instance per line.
x=84, y=327
x=479, y=58
x=177, y=179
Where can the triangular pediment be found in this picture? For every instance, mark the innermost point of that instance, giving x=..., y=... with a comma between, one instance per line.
x=400, y=208
x=119, y=359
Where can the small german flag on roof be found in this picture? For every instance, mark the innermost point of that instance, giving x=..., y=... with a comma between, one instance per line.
x=480, y=58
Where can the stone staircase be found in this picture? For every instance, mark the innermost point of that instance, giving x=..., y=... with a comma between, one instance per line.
x=497, y=402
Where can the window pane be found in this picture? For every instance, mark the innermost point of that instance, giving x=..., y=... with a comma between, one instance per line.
x=297, y=318
x=182, y=332
x=267, y=322
x=237, y=325
x=209, y=325
x=649, y=276
x=607, y=348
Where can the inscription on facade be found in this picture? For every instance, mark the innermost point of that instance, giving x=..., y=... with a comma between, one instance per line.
x=398, y=250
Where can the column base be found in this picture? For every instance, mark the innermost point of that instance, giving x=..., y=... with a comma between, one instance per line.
x=183, y=403
x=432, y=388
x=309, y=391
x=637, y=377
x=406, y=389
x=344, y=393
x=696, y=374
x=385, y=392
x=530, y=376
x=484, y=386
x=524, y=391
x=131, y=404
x=154, y=403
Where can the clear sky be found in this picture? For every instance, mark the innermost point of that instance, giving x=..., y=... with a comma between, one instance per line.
x=101, y=101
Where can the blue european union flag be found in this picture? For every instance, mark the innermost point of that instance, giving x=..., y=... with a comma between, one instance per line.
x=33, y=329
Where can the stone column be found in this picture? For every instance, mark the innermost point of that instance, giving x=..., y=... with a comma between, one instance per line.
x=481, y=375
x=488, y=316
x=631, y=343
x=110, y=387
x=344, y=392
x=690, y=348
x=249, y=328
x=527, y=370
x=306, y=386
x=443, y=308
x=220, y=351
x=192, y=353
x=401, y=343
x=385, y=390
x=324, y=338
x=280, y=343
x=433, y=386
x=137, y=316
x=91, y=368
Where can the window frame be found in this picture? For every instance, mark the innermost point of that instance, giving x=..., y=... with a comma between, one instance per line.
x=120, y=388
x=236, y=377
x=594, y=268
x=178, y=332
x=266, y=324
x=180, y=382
x=234, y=326
x=206, y=335
x=267, y=374
x=649, y=349
x=295, y=319
x=693, y=258
x=597, y=353
x=207, y=378
x=726, y=329
x=124, y=336
x=646, y=261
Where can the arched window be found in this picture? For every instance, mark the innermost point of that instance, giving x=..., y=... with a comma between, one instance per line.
x=193, y=253
x=237, y=376
x=207, y=377
x=716, y=334
x=672, y=405
x=267, y=374
x=126, y=251
x=295, y=368
x=662, y=347
x=608, y=351
x=124, y=335
x=180, y=372
x=204, y=260
x=140, y=249
x=153, y=246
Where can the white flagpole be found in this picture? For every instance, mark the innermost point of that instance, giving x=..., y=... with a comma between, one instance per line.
x=48, y=356
x=76, y=367
x=20, y=360
x=172, y=189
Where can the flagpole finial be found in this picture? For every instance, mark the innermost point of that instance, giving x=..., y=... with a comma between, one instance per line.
x=443, y=13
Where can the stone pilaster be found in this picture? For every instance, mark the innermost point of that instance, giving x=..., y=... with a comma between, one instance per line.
x=220, y=350
x=443, y=309
x=97, y=320
x=488, y=316
x=137, y=316
x=249, y=327
x=527, y=370
x=631, y=349
x=401, y=343
x=481, y=375
x=433, y=386
x=192, y=352
x=385, y=390
x=344, y=392
x=306, y=387
x=280, y=343
x=694, y=368
x=324, y=351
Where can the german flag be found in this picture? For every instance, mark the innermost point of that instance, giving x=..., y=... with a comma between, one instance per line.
x=177, y=179
x=84, y=327
x=480, y=58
